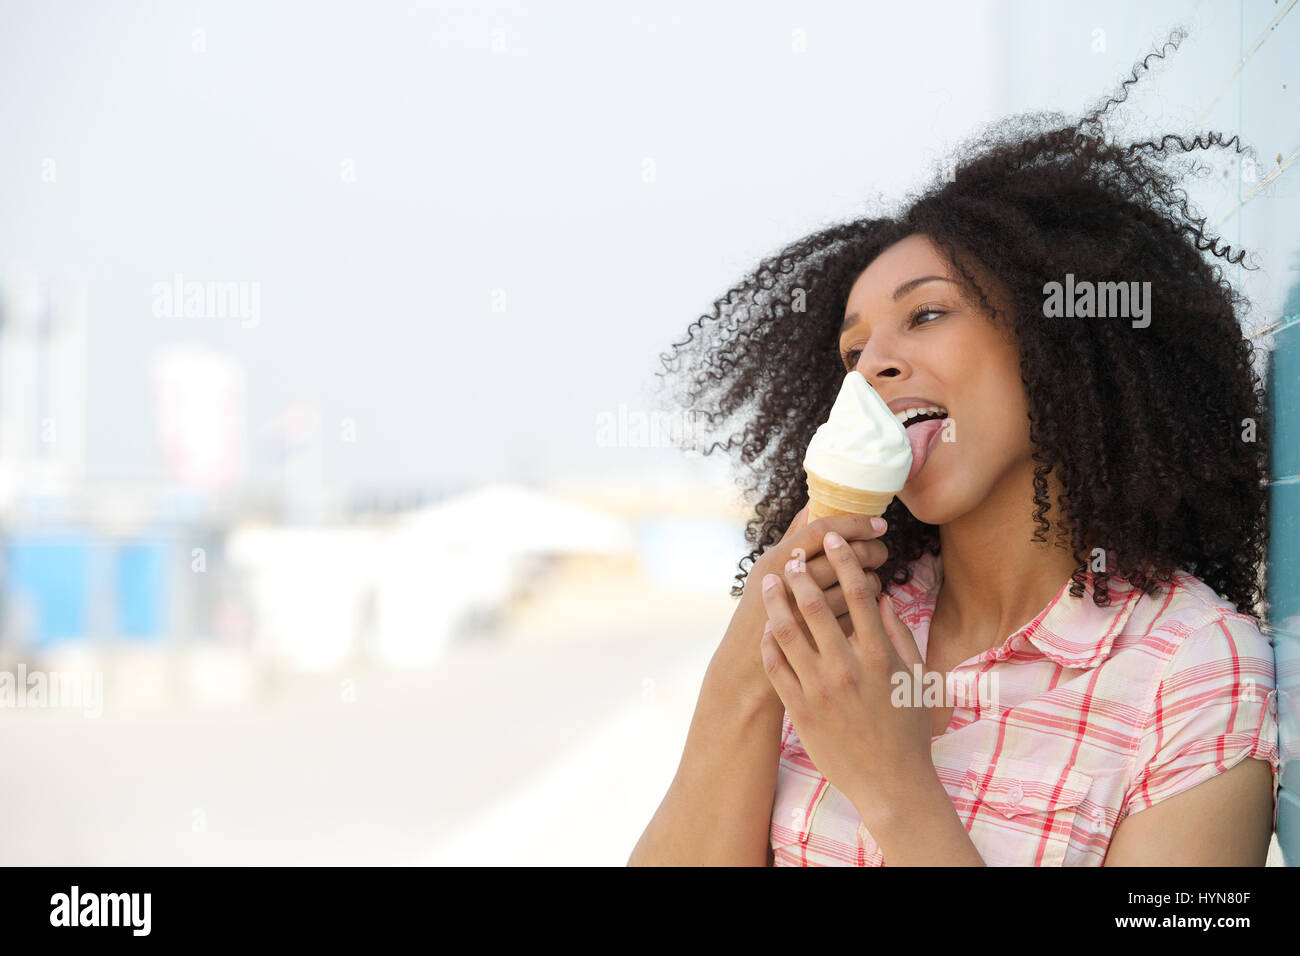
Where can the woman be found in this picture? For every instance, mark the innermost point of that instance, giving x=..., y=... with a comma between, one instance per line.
x=1052, y=655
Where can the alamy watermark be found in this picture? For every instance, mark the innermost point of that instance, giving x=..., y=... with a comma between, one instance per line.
x=40, y=690
x=1100, y=300
x=179, y=299
x=638, y=428
x=930, y=689
x=129, y=910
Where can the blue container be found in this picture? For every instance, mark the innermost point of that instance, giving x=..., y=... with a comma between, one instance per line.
x=141, y=582
x=48, y=577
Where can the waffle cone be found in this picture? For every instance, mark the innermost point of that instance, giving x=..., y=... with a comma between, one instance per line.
x=828, y=498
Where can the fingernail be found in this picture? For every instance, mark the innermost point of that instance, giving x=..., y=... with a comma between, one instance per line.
x=794, y=566
x=767, y=628
x=833, y=540
x=770, y=581
x=880, y=524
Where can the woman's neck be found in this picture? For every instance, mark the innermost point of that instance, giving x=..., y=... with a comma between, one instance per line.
x=995, y=578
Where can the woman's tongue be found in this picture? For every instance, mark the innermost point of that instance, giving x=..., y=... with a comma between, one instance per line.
x=919, y=436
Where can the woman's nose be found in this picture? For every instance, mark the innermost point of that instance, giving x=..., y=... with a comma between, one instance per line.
x=874, y=367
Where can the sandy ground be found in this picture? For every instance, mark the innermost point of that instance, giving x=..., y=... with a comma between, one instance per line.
x=549, y=744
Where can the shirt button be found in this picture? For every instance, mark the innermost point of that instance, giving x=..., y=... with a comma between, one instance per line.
x=1015, y=794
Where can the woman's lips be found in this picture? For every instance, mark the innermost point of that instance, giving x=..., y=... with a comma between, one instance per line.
x=922, y=437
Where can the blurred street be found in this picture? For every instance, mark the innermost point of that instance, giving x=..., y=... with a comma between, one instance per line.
x=530, y=747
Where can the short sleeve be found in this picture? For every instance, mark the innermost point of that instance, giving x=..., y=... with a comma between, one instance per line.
x=1215, y=706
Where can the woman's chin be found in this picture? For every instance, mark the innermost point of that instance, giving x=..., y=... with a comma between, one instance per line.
x=918, y=504
x=927, y=502
x=934, y=518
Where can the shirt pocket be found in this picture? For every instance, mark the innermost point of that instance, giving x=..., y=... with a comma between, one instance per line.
x=1020, y=812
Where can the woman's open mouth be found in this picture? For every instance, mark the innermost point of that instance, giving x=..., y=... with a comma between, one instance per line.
x=923, y=426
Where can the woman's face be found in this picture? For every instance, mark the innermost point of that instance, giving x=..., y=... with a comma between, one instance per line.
x=912, y=333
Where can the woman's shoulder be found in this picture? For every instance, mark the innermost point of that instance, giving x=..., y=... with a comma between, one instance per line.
x=1214, y=697
x=1187, y=637
x=1188, y=609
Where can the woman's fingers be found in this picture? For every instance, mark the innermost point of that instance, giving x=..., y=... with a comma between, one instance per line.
x=823, y=572
x=859, y=589
x=808, y=544
x=870, y=554
x=821, y=621
x=835, y=600
x=854, y=528
x=785, y=624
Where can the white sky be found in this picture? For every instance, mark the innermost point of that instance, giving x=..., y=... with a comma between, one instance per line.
x=519, y=170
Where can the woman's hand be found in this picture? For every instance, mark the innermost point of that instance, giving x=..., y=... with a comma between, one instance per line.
x=804, y=542
x=737, y=658
x=836, y=685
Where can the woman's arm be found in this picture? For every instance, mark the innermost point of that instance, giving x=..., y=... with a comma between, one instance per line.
x=1216, y=697
x=718, y=810
x=1225, y=821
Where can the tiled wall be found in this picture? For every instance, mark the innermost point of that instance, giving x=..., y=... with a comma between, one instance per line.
x=1284, y=574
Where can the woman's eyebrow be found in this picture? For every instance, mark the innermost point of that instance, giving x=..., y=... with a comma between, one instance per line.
x=901, y=291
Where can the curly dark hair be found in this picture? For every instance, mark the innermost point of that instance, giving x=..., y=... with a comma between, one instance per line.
x=1148, y=431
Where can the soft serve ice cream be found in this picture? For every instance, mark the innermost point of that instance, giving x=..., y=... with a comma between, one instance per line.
x=860, y=457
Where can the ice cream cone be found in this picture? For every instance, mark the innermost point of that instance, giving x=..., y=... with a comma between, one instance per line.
x=828, y=498
x=859, y=458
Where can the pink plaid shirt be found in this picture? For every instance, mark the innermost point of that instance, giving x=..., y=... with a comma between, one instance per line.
x=1099, y=713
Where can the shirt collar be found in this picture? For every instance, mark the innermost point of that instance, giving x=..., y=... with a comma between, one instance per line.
x=1073, y=632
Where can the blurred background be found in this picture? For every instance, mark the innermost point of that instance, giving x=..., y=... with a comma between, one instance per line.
x=338, y=520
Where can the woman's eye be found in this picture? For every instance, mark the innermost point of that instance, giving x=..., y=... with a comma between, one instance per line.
x=851, y=356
